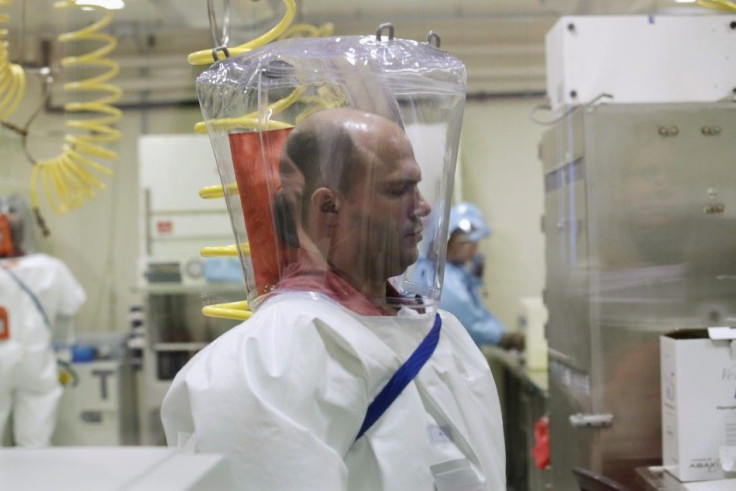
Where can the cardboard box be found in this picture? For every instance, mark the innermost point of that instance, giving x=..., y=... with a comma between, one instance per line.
x=698, y=370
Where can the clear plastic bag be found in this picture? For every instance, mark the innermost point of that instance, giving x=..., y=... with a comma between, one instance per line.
x=337, y=158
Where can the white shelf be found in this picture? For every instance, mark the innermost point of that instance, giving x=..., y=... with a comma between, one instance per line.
x=172, y=287
x=179, y=346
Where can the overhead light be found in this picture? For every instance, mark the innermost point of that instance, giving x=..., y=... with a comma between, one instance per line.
x=684, y=1
x=108, y=4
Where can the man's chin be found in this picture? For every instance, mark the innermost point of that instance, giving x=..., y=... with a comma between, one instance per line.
x=408, y=259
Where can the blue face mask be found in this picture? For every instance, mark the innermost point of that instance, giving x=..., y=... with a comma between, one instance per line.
x=477, y=265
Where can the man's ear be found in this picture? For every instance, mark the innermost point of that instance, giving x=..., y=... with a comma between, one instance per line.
x=325, y=205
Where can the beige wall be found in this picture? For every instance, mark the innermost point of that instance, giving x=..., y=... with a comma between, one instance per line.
x=501, y=173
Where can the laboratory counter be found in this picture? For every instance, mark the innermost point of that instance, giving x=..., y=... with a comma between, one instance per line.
x=523, y=393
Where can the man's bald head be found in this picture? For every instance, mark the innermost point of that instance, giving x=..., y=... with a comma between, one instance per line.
x=326, y=144
x=360, y=202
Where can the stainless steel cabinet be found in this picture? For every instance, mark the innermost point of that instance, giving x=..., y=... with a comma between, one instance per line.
x=640, y=229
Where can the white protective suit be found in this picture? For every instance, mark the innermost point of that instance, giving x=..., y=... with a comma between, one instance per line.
x=29, y=379
x=284, y=394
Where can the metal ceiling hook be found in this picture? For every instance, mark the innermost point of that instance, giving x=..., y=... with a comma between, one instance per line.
x=220, y=38
x=385, y=25
x=433, y=36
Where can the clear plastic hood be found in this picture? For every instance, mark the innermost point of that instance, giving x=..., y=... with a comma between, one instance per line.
x=337, y=157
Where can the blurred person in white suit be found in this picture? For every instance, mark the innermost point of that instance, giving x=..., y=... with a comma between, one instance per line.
x=38, y=293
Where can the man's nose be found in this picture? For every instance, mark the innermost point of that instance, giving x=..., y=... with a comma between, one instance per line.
x=422, y=207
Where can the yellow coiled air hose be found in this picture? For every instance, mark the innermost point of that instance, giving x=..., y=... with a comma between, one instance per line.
x=12, y=76
x=727, y=5
x=67, y=179
x=283, y=29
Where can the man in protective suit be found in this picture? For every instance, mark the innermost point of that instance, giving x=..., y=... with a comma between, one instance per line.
x=290, y=396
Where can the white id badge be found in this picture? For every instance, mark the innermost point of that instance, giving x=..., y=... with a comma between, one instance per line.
x=455, y=475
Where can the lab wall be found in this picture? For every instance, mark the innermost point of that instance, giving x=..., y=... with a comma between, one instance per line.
x=100, y=241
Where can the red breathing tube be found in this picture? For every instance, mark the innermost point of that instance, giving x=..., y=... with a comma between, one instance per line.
x=7, y=244
x=256, y=157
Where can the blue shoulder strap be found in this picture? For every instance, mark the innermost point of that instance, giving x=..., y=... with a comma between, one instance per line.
x=402, y=377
